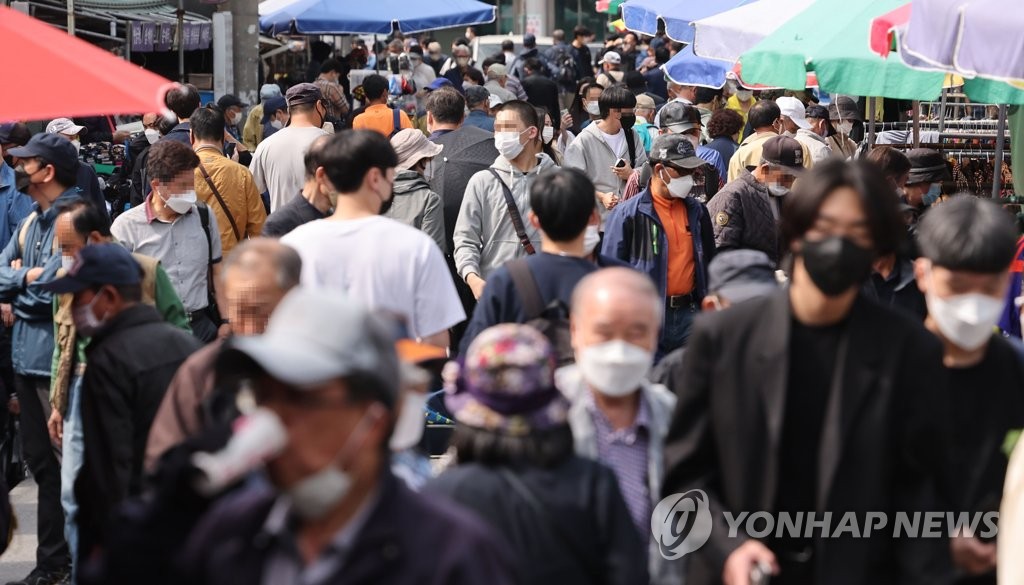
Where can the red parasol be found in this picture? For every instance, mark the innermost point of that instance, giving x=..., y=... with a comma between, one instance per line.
x=883, y=29
x=50, y=74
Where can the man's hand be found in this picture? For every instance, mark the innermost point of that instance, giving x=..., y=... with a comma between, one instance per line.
x=33, y=274
x=476, y=284
x=7, y=314
x=609, y=200
x=623, y=172
x=56, y=427
x=16, y=264
x=972, y=555
x=744, y=559
x=224, y=331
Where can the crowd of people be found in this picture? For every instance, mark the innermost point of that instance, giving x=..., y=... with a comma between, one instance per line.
x=617, y=287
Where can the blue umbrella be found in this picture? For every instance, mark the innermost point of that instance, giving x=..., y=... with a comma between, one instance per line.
x=642, y=15
x=689, y=69
x=375, y=17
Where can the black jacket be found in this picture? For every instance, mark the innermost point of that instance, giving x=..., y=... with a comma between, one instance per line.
x=289, y=216
x=743, y=218
x=130, y=364
x=467, y=150
x=881, y=447
x=580, y=496
x=542, y=92
x=408, y=538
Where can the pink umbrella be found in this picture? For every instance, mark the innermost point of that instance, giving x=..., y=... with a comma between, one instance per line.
x=883, y=29
x=88, y=81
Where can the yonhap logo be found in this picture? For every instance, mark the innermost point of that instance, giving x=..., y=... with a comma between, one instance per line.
x=681, y=523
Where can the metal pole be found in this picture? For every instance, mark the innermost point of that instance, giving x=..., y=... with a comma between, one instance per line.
x=127, y=41
x=71, y=17
x=942, y=111
x=916, y=113
x=997, y=172
x=871, y=122
x=579, y=12
x=181, y=41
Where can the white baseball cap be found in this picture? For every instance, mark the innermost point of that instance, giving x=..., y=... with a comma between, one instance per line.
x=64, y=126
x=793, y=109
x=611, y=57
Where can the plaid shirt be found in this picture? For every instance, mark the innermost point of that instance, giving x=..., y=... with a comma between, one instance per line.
x=334, y=97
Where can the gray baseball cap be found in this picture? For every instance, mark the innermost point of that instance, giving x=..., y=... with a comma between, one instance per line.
x=741, y=275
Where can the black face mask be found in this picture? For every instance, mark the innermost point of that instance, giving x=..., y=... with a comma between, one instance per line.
x=836, y=264
x=627, y=121
x=22, y=178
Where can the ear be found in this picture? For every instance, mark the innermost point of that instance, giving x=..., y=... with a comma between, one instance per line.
x=192, y=137
x=94, y=237
x=921, y=266
x=530, y=215
x=153, y=183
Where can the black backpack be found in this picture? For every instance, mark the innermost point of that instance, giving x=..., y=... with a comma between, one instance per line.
x=564, y=68
x=552, y=321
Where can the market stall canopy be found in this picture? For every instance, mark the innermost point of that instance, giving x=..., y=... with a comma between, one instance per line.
x=114, y=86
x=974, y=38
x=728, y=35
x=688, y=69
x=376, y=17
x=884, y=29
x=642, y=15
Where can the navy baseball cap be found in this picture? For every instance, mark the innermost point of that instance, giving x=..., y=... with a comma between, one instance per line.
x=272, y=105
x=97, y=265
x=6, y=130
x=228, y=100
x=439, y=83
x=53, y=148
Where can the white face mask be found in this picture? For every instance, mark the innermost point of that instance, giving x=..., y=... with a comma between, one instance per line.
x=182, y=202
x=679, y=188
x=614, y=368
x=744, y=95
x=85, y=319
x=411, y=419
x=968, y=320
x=278, y=124
x=593, y=109
x=547, y=134
x=77, y=144
x=152, y=135
x=508, y=144
x=591, y=238
x=844, y=127
x=777, y=190
x=66, y=262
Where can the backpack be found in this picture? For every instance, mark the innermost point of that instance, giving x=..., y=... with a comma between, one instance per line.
x=552, y=321
x=396, y=121
x=563, y=67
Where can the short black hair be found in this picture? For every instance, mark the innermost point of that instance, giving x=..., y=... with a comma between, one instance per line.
x=764, y=113
x=533, y=64
x=526, y=113
x=614, y=97
x=348, y=156
x=461, y=41
x=892, y=162
x=496, y=59
x=20, y=134
x=447, y=105
x=563, y=201
x=183, y=100
x=581, y=31
x=544, y=448
x=86, y=218
x=705, y=95
x=168, y=159
x=969, y=234
x=332, y=64
x=724, y=122
x=313, y=158
x=474, y=75
x=662, y=55
x=558, y=35
x=208, y=124
x=375, y=86
x=877, y=197
x=507, y=45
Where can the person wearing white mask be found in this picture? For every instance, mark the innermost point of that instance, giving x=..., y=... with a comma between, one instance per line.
x=843, y=113
x=414, y=203
x=86, y=179
x=492, y=227
x=563, y=210
x=794, y=123
x=747, y=210
x=617, y=416
x=967, y=245
x=665, y=233
x=185, y=238
x=741, y=100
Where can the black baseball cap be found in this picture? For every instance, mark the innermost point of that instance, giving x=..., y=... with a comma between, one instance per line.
x=227, y=100
x=819, y=112
x=6, y=130
x=926, y=166
x=303, y=93
x=53, y=148
x=272, y=105
x=741, y=275
x=675, y=149
x=783, y=151
x=97, y=265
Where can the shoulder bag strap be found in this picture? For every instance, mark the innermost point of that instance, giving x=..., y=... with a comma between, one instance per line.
x=396, y=121
x=594, y=573
x=513, y=212
x=223, y=204
x=631, y=147
x=526, y=287
x=204, y=219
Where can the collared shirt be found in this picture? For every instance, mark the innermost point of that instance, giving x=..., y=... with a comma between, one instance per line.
x=235, y=184
x=625, y=452
x=381, y=118
x=284, y=562
x=682, y=271
x=334, y=97
x=179, y=245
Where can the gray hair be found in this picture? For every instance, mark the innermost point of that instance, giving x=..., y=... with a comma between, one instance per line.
x=251, y=255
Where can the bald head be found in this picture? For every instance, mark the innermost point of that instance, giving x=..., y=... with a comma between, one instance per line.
x=616, y=304
x=255, y=277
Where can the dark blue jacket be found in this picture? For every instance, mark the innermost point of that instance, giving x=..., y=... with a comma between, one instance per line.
x=14, y=205
x=634, y=234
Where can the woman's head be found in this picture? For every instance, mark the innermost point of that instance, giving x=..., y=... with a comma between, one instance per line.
x=724, y=122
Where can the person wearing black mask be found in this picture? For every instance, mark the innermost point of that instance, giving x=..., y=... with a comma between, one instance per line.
x=815, y=400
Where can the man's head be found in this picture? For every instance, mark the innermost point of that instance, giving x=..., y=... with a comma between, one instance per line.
x=105, y=280
x=793, y=115
x=582, y=34
x=616, y=106
x=305, y=105
x=682, y=92
x=434, y=50
x=13, y=134
x=255, y=276
x=927, y=172
x=231, y=107
x=764, y=116
x=839, y=218
x=708, y=98
x=66, y=128
x=47, y=166
x=461, y=54
x=680, y=118
x=498, y=72
x=529, y=41
x=611, y=61
x=207, y=126
x=507, y=46
x=445, y=109
x=171, y=169
x=327, y=369
x=967, y=245
x=735, y=276
x=375, y=87
x=675, y=166
x=629, y=42
x=182, y=100
x=331, y=70
x=521, y=118
x=477, y=98
x=782, y=160
x=558, y=36
x=470, y=33
x=818, y=118
x=533, y=66
x=275, y=111
x=471, y=76
x=644, y=107
x=614, y=325
x=562, y=204
x=395, y=47
x=894, y=164
x=80, y=224
x=414, y=150
x=590, y=93
x=358, y=164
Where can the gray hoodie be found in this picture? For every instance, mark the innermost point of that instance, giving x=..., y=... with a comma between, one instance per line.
x=484, y=235
x=417, y=206
x=590, y=153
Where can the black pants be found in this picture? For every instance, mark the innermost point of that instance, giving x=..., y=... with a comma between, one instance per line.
x=44, y=462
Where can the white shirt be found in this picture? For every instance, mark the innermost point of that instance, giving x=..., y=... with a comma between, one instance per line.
x=616, y=142
x=277, y=165
x=382, y=263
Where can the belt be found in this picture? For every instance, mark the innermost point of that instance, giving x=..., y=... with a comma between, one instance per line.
x=199, y=314
x=680, y=301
